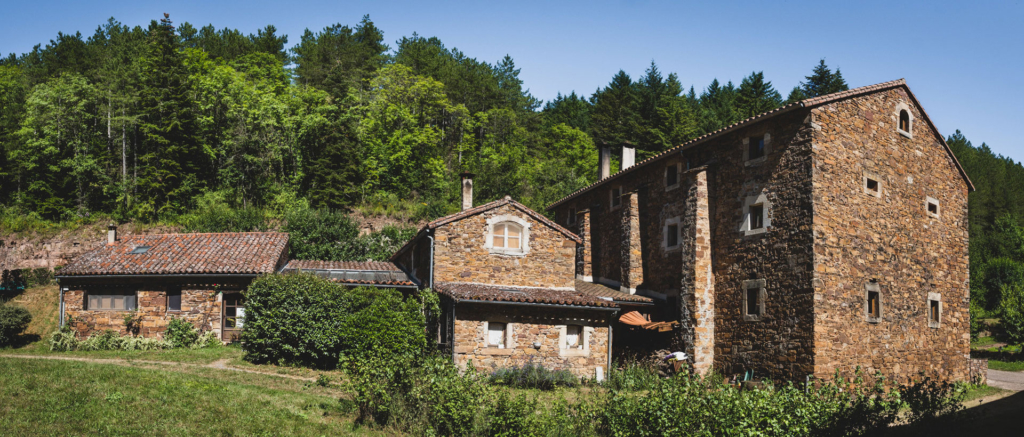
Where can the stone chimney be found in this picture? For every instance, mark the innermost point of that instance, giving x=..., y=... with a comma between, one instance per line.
x=111, y=234
x=467, y=190
x=628, y=156
x=604, y=163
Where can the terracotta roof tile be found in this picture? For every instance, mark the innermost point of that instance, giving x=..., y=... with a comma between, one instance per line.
x=341, y=265
x=353, y=272
x=502, y=293
x=806, y=103
x=599, y=290
x=221, y=253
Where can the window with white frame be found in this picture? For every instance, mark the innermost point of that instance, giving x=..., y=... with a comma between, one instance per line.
x=934, y=310
x=672, y=234
x=756, y=215
x=574, y=340
x=872, y=184
x=615, y=197
x=672, y=172
x=931, y=207
x=496, y=333
x=107, y=300
x=904, y=120
x=573, y=337
x=507, y=234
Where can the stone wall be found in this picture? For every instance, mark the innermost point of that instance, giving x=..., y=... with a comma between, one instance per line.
x=200, y=305
x=888, y=238
x=460, y=254
x=530, y=325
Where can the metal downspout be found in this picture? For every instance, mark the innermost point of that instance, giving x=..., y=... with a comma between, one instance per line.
x=430, y=279
x=609, y=368
x=61, y=310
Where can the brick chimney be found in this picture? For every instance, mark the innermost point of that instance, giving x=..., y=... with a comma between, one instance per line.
x=467, y=190
x=111, y=234
x=604, y=163
x=628, y=156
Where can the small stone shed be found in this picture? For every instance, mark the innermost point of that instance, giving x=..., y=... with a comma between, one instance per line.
x=195, y=277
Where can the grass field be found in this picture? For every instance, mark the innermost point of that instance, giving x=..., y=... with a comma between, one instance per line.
x=43, y=397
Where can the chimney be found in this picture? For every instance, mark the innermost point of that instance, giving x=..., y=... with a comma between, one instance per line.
x=604, y=163
x=628, y=156
x=111, y=234
x=467, y=190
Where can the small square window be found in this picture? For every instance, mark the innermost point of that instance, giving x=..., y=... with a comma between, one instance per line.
x=756, y=148
x=174, y=299
x=496, y=334
x=672, y=176
x=932, y=207
x=756, y=216
x=573, y=337
x=672, y=235
x=871, y=185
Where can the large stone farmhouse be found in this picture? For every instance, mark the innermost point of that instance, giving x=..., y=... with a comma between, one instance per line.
x=824, y=235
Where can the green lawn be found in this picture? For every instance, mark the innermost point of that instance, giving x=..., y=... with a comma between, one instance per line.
x=983, y=342
x=44, y=397
x=978, y=392
x=1009, y=366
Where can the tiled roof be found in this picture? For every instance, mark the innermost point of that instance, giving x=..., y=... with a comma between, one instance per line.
x=806, y=103
x=304, y=264
x=223, y=253
x=502, y=293
x=599, y=290
x=354, y=272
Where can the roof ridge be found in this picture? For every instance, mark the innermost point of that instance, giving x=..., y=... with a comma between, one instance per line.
x=805, y=103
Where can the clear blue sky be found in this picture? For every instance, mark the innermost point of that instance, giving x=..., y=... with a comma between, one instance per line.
x=964, y=61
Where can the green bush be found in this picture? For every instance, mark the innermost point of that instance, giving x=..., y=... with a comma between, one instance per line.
x=214, y=214
x=1011, y=313
x=512, y=416
x=181, y=333
x=320, y=234
x=632, y=375
x=13, y=321
x=63, y=339
x=533, y=376
x=306, y=320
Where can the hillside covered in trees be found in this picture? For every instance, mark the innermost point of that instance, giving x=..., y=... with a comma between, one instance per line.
x=154, y=124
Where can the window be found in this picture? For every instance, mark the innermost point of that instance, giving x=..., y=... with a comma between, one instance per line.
x=111, y=301
x=756, y=148
x=934, y=310
x=931, y=207
x=507, y=236
x=672, y=176
x=496, y=334
x=139, y=250
x=905, y=120
x=873, y=302
x=616, y=197
x=872, y=185
x=756, y=216
x=573, y=337
x=754, y=295
x=756, y=219
x=174, y=299
x=571, y=219
x=672, y=234
x=234, y=311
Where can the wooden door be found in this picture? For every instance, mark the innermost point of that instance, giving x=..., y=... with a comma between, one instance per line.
x=233, y=316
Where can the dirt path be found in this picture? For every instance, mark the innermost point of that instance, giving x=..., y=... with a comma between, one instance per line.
x=164, y=365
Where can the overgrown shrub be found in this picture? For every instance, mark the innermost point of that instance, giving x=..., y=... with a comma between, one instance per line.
x=320, y=234
x=307, y=320
x=512, y=415
x=1011, y=313
x=181, y=333
x=64, y=340
x=13, y=321
x=533, y=376
x=214, y=214
x=632, y=375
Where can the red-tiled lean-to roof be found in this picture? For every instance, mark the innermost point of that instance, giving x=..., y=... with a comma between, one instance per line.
x=219, y=253
x=806, y=103
x=504, y=293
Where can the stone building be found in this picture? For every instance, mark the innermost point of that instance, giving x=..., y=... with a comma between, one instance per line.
x=506, y=277
x=195, y=277
x=824, y=235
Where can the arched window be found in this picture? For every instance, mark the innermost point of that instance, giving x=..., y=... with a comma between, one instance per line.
x=508, y=236
x=905, y=120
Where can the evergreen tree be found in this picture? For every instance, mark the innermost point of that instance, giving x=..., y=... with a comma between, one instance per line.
x=173, y=165
x=756, y=96
x=615, y=118
x=339, y=58
x=572, y=110
x=823, y=81
x=717, y=107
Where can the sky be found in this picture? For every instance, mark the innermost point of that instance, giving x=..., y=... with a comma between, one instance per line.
x=963, y=60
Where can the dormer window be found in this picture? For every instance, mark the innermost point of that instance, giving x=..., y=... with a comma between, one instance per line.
x=904, y=120
x=507, y=236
